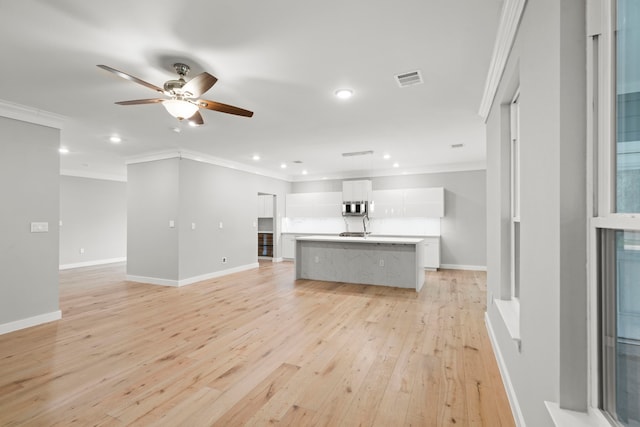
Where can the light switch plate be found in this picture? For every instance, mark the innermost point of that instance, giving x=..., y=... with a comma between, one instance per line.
x=172, y=224
x=39, y=227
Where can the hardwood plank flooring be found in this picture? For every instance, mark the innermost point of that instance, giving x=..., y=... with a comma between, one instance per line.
x=255, y=348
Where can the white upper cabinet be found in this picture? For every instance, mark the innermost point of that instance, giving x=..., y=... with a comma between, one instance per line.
x=409, y=203
x=387, y=204
x=356, y=191
x=314, y=205
x=265, y=206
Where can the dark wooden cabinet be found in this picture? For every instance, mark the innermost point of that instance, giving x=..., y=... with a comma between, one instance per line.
x=265, y=244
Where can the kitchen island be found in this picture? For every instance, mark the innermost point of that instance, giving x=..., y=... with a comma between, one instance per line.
x=387, y=261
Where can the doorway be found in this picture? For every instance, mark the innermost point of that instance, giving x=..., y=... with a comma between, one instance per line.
x=266, y=226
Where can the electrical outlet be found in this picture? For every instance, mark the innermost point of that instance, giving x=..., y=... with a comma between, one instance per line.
x=317, y=259
x=81, y=250
x=381, y=263
x=224, y=259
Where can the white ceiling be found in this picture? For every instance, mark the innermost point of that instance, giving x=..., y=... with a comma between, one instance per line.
x=282, y=59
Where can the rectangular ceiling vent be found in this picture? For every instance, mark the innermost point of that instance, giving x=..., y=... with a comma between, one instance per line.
x=357, y=153
x=409, y=79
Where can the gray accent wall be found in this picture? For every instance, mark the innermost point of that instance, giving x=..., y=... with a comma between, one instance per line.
x=547, y=62
x=153, y=201
x=29, y=173
x=93, y=213
x=191, y=192
x=463, y=228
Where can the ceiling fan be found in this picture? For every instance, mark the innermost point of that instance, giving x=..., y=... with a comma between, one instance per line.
x=183, y=102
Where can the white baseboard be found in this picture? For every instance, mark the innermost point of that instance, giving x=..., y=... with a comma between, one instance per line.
x=30, y=321
x=91, y=263
x=463, y=267
x=191, y=280
x=504, y=373
x=277, y=259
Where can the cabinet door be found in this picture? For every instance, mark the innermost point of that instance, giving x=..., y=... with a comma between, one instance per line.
x=387, y=203
x=431, y=252
x=327, y=205
x=299, y=205
x=267, y=206
x=288, y=246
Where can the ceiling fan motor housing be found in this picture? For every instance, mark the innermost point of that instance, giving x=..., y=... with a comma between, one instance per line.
x=173, y=87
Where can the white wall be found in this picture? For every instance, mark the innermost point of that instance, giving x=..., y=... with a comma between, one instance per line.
x=29, y=171
x=93, y=213
x=547, y=61
x=463, y=237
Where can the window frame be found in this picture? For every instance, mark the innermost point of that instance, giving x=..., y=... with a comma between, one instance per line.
x=601, y=180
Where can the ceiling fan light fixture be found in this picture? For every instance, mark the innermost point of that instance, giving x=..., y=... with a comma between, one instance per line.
x=180, y=109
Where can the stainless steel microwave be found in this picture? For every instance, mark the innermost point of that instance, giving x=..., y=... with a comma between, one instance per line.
x=355, y=208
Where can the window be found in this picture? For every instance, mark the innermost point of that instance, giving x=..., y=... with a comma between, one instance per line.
x=615, y=226
x=620, y=305
x=514, y=117
x=509, y=302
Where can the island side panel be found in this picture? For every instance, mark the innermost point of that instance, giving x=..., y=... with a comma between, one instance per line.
x=352, y=262
x=419, y=268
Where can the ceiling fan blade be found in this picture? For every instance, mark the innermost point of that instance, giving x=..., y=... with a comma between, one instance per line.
x=131, y=78
x=141, y=101
x=199, y=84
x=196, y=119
x=224, y=108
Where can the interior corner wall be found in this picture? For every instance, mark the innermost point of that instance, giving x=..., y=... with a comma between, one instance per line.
x=199, y=197
x=29, y=174
x=93, y=214
x=152, y=201
x=463, y=228
x=549, y=52
x=211, y=195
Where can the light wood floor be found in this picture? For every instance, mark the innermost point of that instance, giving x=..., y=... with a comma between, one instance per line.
x=255, y=348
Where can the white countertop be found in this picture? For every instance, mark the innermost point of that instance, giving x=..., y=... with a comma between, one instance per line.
x=372, y=235
x=368, y=239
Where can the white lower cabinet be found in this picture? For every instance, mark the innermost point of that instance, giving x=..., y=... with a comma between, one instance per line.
x=288, y=246
x=431, y=252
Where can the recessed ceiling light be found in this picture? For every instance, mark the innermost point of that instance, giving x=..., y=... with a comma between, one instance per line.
x=324, y=177
x=256, y=157
x=115, y=139
x=176, y=129
x=63, y=150
x=386, y=156
x=344, y=93
x=193, y=124
x=283, y=165
x=304, y=172
x=396, y=165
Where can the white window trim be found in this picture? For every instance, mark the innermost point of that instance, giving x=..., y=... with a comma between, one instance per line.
x=509, y=308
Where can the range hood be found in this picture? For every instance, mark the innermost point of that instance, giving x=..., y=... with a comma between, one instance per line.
x=355, y=197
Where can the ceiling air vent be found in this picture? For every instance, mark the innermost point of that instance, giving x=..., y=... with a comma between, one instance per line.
x=357, y=153
x=409, y=79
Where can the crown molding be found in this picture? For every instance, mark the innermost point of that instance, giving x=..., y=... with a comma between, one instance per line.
x=31, y=115
x=510, y=16
x=205, y=158
x=92, y=175
x=442, y=168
